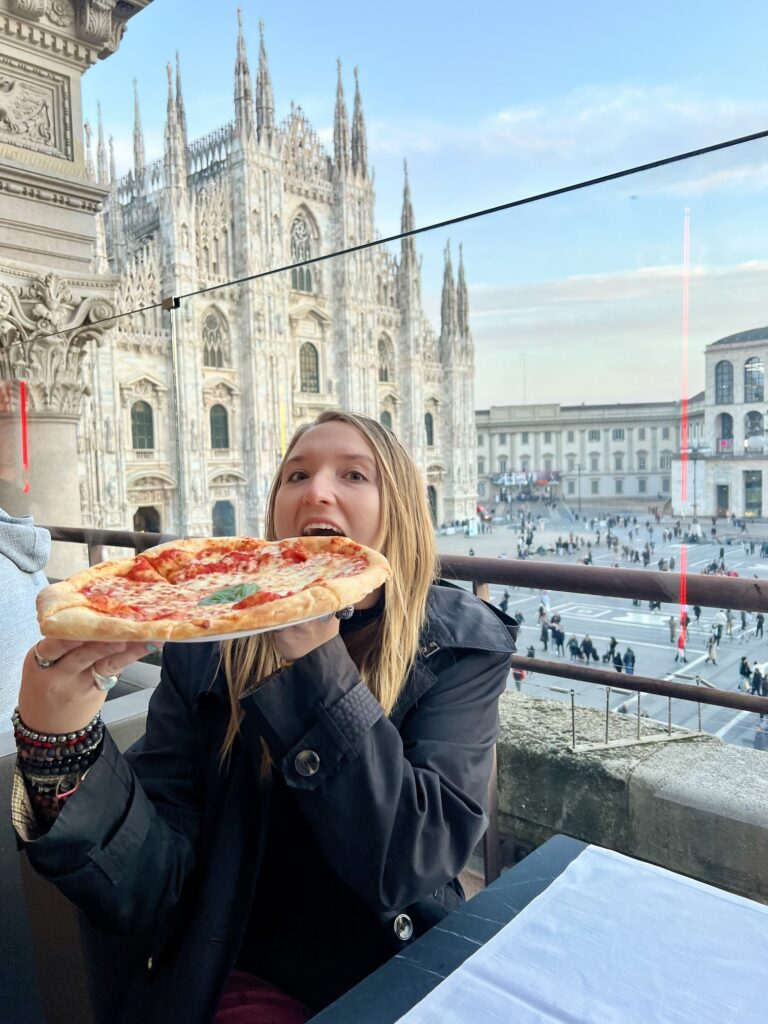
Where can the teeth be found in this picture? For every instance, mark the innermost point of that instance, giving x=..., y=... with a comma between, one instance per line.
x=321, y=529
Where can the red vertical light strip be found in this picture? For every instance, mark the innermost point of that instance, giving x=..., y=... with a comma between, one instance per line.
x=684, y=403
x=24, y=434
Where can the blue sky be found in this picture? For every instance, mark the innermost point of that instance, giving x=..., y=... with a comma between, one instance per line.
x=491, y=102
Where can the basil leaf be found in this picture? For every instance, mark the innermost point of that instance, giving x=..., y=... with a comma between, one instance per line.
x=231, y=595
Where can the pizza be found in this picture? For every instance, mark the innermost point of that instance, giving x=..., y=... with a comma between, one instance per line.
x=211, y=587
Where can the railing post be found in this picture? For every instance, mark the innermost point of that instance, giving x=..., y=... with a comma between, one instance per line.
x=491, y=842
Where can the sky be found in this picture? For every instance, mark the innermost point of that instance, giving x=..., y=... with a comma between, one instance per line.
x=573, y=299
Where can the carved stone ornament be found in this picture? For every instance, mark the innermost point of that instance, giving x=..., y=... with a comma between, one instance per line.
x=44, y=333
x=32, y=10
x=94, y=20
x=59, y=12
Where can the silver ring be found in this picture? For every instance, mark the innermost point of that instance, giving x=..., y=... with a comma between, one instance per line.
x=104, y=683
x=41, y=661
x=346, y=613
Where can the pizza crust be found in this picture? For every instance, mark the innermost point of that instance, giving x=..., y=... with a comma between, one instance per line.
x=64, y=612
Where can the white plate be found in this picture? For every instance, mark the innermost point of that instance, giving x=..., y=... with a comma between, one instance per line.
x=247, y=632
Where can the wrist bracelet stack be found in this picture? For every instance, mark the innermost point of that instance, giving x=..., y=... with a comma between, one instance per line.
x=43, y=755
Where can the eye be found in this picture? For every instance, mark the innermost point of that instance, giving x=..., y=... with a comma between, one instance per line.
x=295, y=476
x=355, y=475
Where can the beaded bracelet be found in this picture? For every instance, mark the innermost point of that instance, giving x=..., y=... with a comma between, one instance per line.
x=57, y=754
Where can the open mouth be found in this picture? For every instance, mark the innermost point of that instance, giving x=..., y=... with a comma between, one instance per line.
x=321, y=530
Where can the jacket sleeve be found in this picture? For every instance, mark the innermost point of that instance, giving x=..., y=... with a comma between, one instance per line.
x=397, y=813
x=123, y=844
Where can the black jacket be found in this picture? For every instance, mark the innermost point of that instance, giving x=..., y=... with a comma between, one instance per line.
x=164, y=846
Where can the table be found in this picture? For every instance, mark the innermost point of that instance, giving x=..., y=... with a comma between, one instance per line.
x=580, y=934
x=384, y=996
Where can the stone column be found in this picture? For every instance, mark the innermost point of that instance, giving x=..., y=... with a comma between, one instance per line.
x=46, y=329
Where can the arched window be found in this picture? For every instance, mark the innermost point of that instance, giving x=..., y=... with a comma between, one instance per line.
x=223, y=519
x=219, y=427
x=502, y=463
x=754, y=379
x=142, y=426
x=429, y=428
x=723, y=383
x=753, y=424
x=725, y=421
x=146, y=519
x=301, y=277
x=386, y=419
x=214, y=342
x=386, y=369
x=309, y=368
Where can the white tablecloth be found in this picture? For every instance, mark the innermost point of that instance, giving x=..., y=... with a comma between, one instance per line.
x=614, y=941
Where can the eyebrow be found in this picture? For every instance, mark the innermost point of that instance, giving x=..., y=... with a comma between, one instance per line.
x=345, y=456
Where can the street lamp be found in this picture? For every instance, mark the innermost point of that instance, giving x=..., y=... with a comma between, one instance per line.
x=578, y=471
x=695, y=451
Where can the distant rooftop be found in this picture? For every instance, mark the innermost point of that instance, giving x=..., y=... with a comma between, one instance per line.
x=756, y=334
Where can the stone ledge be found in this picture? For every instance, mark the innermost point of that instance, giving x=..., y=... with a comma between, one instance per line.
x=696, y=806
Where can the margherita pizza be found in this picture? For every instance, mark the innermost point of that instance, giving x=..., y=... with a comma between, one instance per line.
x=211, y=587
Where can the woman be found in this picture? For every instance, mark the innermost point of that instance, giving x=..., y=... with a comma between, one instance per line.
x=302, y=800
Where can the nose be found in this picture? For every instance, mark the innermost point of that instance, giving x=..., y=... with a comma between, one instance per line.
x=319, y=490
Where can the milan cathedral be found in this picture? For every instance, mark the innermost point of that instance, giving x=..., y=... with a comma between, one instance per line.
x=256, y=359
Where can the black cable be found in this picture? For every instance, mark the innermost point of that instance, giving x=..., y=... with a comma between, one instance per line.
x=563, y=190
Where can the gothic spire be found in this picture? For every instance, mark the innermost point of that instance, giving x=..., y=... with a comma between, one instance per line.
x=407, y=245
x=265, y=103
x=243, y=85
x=175, y=157
x=102, y=163
x=89, y=171
x=181, y=114
x=340, y=128
x=462, y=298
x=448, y=303
x=359, y=137
x=138, y=135
x=112, y=173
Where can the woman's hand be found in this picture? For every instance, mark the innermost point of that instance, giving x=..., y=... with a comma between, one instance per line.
x=64, y=697
x=294, y=642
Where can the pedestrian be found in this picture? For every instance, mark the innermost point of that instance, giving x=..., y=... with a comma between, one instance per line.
x=575, y=650
x=222, y=842
x=504, y=602
x=697, y=613
x=672, y=628
x=711, y=650
x=729, y=623
x=759, y=621
x=544, y=635
x=671, y=563
x=746, y=674
x=680, y=655
x=612, y=645
x=718, y=623
x=629, y=661
x=758, y=681
x=618, y=664
x=471, y=551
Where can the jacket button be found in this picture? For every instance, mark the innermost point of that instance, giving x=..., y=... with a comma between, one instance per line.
x=307, y=763
x=403, y=926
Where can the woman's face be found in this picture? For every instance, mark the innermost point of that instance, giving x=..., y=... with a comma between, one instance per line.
x=329, y=483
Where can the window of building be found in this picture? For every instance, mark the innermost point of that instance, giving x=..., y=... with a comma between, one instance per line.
x=219, y=427
x=502, y=438
x=723, y=383
x=724, y=426
x=223, y=519
x=665, y=433
x=524, y=437
x=593, y=435
x=571, y=462
x=619, y=486
x=571, y=486
x=301, y=277
x=429, y=429
x=665, y=460
x=594, y=486
x=215, y=349
x=665, y=485
x=594, y=463
x=481, y=489
x=571, y=436
x=386, y=419
x=503, y=464
x=480, y=440
x=753, y=424
x=386, y=362
x=480, y=466
x=754, y=379
x=548, y=464
x=142, y=426
x=618, y=463
x=309, y=368
x=547, y=437
x=641, y=433
x=618, y=434
x=642, y=485
x=642, y=462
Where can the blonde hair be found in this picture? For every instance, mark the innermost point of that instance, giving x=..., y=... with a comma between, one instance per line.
x=405, y=537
